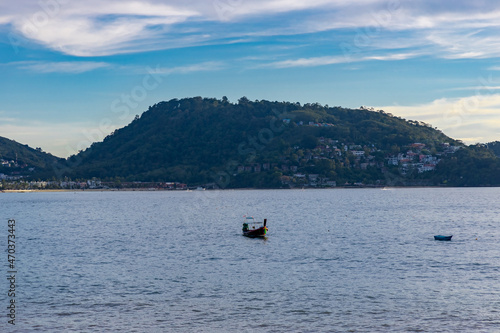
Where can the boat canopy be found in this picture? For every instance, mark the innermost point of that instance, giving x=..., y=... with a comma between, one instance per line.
x=250, y=220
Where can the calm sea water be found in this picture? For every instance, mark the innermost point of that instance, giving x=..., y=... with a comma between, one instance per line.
x=334, y=261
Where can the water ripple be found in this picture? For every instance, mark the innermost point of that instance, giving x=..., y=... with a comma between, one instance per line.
x=334, y=261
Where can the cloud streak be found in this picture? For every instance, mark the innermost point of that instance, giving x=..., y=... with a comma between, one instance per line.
x=193, y=68
x=323, y=61
x=70, y=67
x=96, y=28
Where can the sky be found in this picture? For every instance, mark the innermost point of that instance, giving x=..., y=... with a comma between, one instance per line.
x=74, y=71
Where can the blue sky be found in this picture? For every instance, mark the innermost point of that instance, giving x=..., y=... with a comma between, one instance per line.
x=73, y=71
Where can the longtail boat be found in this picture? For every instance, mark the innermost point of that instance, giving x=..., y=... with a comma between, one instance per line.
x=252, y=228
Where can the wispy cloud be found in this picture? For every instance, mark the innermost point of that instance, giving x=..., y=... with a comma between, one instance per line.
x=476, y=88
x=200, y=67
x=307, y=62
x=323, y=61
x=71, y=67
x=461, y=118
x=5, y=19
x=93, y=28
x=230, y=9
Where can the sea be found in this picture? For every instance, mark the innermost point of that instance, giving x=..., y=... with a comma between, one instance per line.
x=334, y=260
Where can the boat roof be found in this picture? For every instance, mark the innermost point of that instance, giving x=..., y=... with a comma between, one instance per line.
x=250, y=219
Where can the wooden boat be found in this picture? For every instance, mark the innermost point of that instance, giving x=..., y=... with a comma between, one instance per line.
x=443, y=238
x=253, y=229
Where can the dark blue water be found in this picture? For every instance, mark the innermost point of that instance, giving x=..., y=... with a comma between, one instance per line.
x=334, y=261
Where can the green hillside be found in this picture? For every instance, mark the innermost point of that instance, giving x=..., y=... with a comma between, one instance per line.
x=474, y=166
x=262, y=144
x=495, y=147
x=18, y=159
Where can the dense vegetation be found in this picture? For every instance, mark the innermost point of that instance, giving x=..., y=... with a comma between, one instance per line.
x=198, y=140
x=494, y=147
x=24, y=157
x=262, y=144
x=474, y=166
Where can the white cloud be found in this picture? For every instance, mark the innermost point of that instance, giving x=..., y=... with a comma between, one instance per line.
x=396, y=56
x=308, y=62
x=462, y=29
x=5, y=19
x=72, y=67
x=322, y=61
x=200, y=67
x=460, y=118
x=459, y=43
x=93, y=27
x=230, y=9
x=476, y=88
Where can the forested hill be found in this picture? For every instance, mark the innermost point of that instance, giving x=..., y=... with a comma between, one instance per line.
x=495, y=147
x=21, y=159
x=258, y=144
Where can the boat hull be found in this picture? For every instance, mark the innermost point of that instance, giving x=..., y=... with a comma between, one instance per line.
x=260, y=232
x=442, y=238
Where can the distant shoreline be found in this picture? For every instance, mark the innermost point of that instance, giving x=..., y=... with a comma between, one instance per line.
x=235, y=189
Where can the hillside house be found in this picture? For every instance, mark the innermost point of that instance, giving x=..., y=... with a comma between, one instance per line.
x=358, y=153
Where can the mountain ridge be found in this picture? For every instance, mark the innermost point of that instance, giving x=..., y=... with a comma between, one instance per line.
x=263, y=144
x=17, y=158
x=207, y=140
